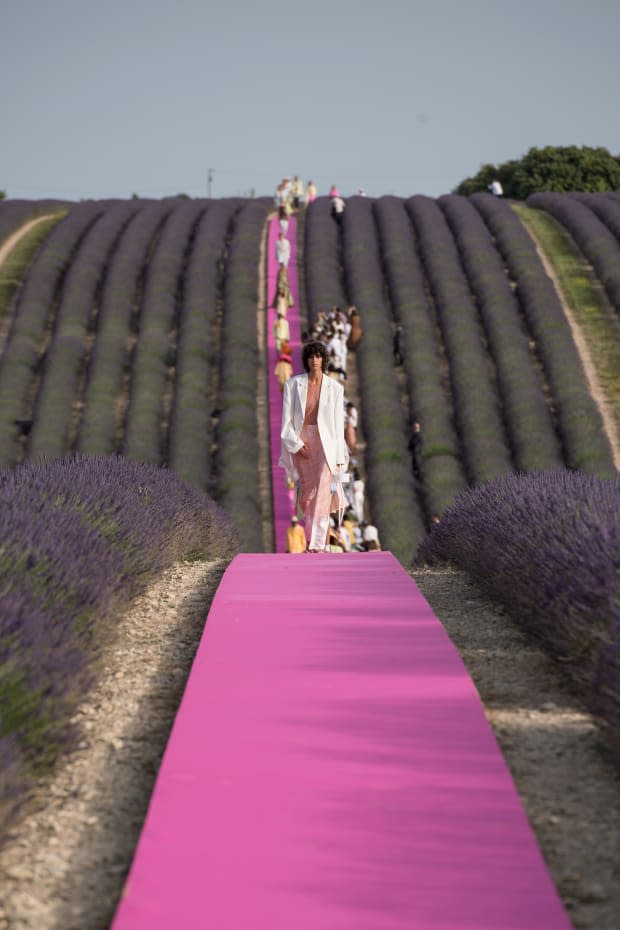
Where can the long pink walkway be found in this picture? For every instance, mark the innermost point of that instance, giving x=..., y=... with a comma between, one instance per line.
x=283, y=502
x=331, y=767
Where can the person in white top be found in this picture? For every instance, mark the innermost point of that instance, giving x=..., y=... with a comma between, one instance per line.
x=283, y=250
x=337, y=208
x=496, y=188
x=370, y=535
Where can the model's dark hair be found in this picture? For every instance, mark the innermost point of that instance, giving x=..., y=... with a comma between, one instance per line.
x=314, y=348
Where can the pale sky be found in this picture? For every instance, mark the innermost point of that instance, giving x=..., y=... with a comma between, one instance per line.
x=115, y=97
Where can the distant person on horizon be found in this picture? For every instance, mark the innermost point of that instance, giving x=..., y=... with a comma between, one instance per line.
x=310, y=192
x=297, y=192
x=496, y=188
x=338, y=206
x=333, y=191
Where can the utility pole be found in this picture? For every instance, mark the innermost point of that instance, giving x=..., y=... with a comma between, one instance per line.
x=209, y=181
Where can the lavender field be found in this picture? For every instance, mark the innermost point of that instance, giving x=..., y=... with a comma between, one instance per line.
x=128, y=419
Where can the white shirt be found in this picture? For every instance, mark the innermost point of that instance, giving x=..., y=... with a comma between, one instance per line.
x=370, y=534
x=283, y=251
x=351, y=418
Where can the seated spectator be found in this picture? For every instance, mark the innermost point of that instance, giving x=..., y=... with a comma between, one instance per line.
x=350, y=427
x=295, y=537
x=358, y=495
x=370, y=536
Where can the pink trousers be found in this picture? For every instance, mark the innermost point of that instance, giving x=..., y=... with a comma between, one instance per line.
x=314, y=489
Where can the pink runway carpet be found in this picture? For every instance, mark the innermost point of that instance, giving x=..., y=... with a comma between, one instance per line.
x=331, y=768
x=283, y=501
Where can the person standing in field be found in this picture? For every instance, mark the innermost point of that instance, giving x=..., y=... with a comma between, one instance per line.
x=313, y=450
x=310, y=192
x=337, y=210
x=415, y=448
x=355, y=333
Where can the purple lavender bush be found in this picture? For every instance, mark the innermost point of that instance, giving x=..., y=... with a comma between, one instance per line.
x=547, y=545
x=322, y=260
x=81, y=536
x=190, y=434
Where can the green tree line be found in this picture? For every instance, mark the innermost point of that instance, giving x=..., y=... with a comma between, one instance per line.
x=552, y=168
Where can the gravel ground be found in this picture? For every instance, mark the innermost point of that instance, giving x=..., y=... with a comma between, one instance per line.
x=65, y=866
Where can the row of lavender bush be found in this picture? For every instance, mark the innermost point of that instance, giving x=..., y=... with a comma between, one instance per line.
x=144, y=433
x=121, y=294
x=547, y=545
x=197, y=362
x=237, y=479
x=474, y=395
x=323, y=279
x=80, y=537
x=429, y=397
x=591, y=233
x=395, y=507
x=64, y=359
x=606, y=208
x=579, y=423
x=530, y=429
x=34, y=307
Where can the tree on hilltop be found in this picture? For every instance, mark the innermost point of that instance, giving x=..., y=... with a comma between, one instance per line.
x=552, y=168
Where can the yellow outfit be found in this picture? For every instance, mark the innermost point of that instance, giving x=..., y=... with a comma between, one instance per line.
x=295, y=539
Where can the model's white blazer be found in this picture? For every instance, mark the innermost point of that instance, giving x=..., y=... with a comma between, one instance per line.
x=330, y=421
